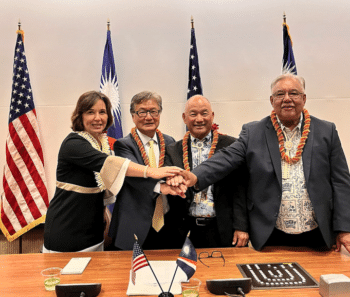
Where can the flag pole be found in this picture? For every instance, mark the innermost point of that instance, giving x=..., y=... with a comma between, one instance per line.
x=108, y=25
x=163, y=293
x=284, y=18
x=177, y=266
x=19, y=24
x=192, y=22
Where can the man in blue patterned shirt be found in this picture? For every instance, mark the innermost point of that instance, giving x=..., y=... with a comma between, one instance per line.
x=217, y=215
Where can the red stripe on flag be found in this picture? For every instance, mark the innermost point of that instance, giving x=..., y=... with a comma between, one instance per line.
x=5, y=220
x=32, y=135
x=139, y=258
x=140, y=266
x=19, y=179
x=140, y=262
x=188, y=260
x=28, y=160
x=12, y=201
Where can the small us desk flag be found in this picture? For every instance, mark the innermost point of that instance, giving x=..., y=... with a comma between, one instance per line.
x=138, y=261
x=288, y=62
x=25, y=200
x=109, y=87
x=194, y=79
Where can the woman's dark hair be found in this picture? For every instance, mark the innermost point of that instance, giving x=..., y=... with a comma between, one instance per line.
x=86, y=102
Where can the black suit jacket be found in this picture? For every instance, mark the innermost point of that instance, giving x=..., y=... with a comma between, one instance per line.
x=325, y=169
x=135, y=203
x=229, y=194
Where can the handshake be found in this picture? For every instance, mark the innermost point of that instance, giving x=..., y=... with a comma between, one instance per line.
x=177, y=180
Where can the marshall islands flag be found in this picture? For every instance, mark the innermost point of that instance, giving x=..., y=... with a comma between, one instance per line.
x=187, y=259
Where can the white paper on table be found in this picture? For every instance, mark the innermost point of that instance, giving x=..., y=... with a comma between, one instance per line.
x=146, y=283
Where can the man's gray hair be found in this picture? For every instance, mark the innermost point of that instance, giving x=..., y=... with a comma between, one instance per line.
x=145, y=96
x=289, y=75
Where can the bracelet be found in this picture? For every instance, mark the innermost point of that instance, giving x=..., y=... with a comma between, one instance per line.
x=145, y=172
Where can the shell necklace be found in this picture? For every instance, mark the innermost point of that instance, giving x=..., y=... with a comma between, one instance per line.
x=142, y=149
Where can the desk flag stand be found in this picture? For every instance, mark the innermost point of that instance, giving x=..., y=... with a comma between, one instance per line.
x=187, y=261
x=140, y=260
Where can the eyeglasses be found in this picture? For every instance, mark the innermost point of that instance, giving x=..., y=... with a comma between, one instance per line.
x=214, y=254
x=291, y=94
x=143, y=113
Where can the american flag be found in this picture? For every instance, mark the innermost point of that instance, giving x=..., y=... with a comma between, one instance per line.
x=187, y=259
x=194, y=79
x=138, y=261
x=109, y=87
x=25, y=200
x=288, y=62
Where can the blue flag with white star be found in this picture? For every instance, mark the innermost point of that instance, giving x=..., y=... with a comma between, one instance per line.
x=109, y=87
x=288, y=61
x=187, y=259
x=194, y=79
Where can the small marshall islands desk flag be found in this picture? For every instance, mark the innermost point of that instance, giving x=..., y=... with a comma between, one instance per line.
x=187, y=259
x=288, y=61
x=109, y=87
x=25, y=200
x=194, y=79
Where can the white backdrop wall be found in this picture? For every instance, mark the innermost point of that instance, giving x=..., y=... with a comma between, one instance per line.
x=240, y=52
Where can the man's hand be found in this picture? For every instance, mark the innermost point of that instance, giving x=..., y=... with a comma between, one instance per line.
x=170, y=190
x=175, y=181
x=343, y=238
x=190, y=178
x=240, y=238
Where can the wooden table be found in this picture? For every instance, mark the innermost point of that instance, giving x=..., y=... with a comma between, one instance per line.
x=20, y=274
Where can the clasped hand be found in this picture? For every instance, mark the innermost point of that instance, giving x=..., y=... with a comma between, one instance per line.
x=178, y=184
x=174, y=185
x=184, y=177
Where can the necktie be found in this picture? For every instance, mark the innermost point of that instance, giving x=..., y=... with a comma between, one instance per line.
x=158, y=215
x=151, y=154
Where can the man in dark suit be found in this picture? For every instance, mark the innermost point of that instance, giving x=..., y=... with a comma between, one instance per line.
x=216, y=216
x=299, y=183
x=140, y=208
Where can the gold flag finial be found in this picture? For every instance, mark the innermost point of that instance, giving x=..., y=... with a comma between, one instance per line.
x=135, y=237
x=108, y=24
x=19, y=31
x=188, y=234
x=284, y=17
x=192, y=22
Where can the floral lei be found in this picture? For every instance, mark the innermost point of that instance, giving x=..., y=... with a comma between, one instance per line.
x=280, y=137
x=105, y=149
x=142, y=149
x=185, y=148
